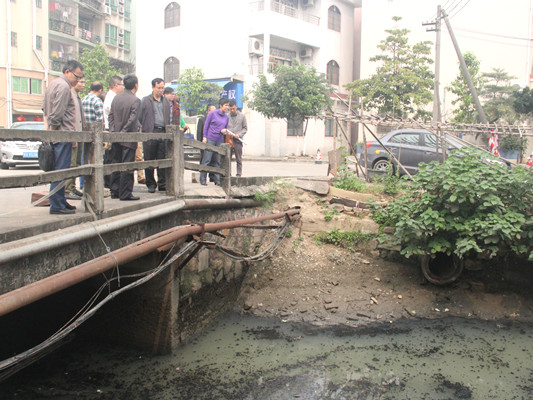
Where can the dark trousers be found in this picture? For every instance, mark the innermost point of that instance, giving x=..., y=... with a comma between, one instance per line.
x=62, y=158
x=155, y=150
x=122, y=182
x=108, y=159
x=76, y=154
x=237, y=150
x=212, y=159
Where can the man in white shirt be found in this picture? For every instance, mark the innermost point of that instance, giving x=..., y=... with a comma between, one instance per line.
x=116, y=86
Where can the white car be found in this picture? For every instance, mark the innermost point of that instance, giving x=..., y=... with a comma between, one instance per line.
x=17, y=152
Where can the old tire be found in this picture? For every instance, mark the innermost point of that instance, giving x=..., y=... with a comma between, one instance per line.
x=381, y=165
x=441, y=269
x=4, y=165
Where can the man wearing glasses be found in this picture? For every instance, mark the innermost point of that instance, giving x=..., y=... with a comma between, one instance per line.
x=59, y=109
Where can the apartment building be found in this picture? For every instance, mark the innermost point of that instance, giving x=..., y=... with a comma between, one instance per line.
x=23, y=62
x=234, y=42
x=39, y=36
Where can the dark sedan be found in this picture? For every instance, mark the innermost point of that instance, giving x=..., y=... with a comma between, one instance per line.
x=409, y=146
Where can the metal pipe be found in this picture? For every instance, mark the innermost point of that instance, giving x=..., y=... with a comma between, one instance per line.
x=48, y=241
x=25, y=295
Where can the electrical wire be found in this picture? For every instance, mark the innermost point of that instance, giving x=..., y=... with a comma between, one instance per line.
x=19, y=361
x=458, y=11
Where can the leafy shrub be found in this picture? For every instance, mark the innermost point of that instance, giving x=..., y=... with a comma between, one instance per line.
x=513, y=142
x=347, y=180
x=467, y=205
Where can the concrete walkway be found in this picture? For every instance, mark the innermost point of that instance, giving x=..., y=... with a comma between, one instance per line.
x=19, y=219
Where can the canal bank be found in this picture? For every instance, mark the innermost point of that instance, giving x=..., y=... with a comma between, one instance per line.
x=319, y=322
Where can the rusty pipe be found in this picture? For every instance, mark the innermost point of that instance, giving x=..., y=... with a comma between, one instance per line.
x=25, y=295
x=52, y=240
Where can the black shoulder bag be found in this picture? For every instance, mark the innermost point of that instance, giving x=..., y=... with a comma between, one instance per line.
x=46, y=157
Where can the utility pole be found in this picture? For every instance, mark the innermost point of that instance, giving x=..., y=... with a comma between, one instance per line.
x=466, y=74
x=436, y=91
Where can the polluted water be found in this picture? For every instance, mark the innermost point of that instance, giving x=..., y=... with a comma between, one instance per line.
x=244, y=357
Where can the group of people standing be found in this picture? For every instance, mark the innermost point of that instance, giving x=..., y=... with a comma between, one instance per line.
x=122, y=111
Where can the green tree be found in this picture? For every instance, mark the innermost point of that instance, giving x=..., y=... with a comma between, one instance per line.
x=498, y=94
x=97, y=67
x=403, y=83
x=466, y=109
x=192, y=90
x=523, y=101
x=298, y=92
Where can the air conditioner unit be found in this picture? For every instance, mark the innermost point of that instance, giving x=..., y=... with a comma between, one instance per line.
x=120, y=32
x=121, y=9
x=107, y=10
x=308, y=3
x=255, y=46
x=306, y=52
x=121, y=41
x=120, y=1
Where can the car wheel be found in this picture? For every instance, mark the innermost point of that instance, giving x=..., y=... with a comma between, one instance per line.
x=4, y=165
x=381, y=165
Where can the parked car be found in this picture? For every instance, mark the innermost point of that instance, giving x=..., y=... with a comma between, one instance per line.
x=16, y=152
x=409, y=146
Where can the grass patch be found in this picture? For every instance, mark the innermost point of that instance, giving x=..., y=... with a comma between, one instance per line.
x=339, y=238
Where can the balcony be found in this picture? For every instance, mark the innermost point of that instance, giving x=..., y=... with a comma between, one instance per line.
x=92, y=4
x=61, y=26
x=89, y=36
x=285, y=9
x=56, y=64
x=282, y=53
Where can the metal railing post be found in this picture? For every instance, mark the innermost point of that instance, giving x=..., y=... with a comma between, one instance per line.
x=225, y=181
x=94, y=183
x=176, y=179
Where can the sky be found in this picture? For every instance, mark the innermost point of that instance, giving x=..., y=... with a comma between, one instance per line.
x=495, y=31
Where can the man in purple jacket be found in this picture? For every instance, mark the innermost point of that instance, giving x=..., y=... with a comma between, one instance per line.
x=214, y=131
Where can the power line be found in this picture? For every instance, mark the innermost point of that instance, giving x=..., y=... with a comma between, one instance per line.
x=495, y=35
x=458, y=11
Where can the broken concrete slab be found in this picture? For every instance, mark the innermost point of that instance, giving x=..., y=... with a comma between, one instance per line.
x=320, y=187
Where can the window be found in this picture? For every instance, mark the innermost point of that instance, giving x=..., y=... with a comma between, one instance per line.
x=127, y=9
x=172, y=15
x=334, y=19
x=84, y=23
x=27, y=85
x=39, y=3
x=111, y=34
x=171, y=70
x=36, y=86
x=38, y=42
x=333, y=72
x=295, y=126
x=411, y=138
x=329, y=127
x=13, y=39
x=127, y=39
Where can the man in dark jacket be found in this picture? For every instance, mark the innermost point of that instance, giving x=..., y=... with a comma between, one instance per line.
x=124, y=117
x=154, y=117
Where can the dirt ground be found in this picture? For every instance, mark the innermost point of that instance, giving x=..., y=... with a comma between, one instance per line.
x=326, y=284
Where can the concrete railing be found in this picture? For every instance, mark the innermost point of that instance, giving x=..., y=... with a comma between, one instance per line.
x=94, y=169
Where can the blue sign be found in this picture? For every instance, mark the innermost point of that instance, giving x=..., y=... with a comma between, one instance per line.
x=234, y=91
